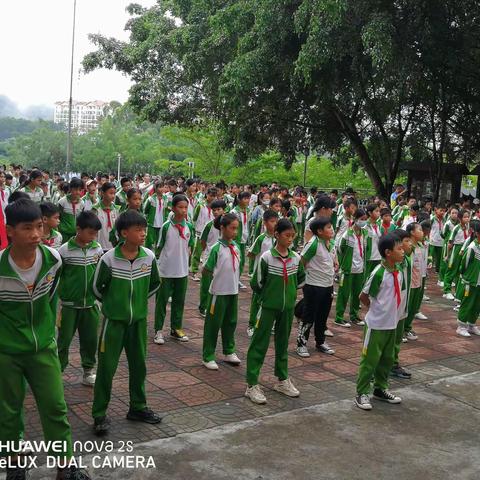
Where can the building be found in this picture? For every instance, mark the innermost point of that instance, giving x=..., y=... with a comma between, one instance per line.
x=85, y=115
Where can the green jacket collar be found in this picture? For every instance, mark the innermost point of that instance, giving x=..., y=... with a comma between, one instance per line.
x=72, y=244
x=275, y=253
x=118, y=253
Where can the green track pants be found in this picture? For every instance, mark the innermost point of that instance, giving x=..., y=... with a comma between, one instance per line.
x=349, y=288
x=398, y=340
x=254, y=309
x=177, y=289
x=115, y=337
x=86, y=321
x=470, y=306
x=196, y=255
x=205, y=281
x=436, y=254
x=243, y=249
x=41, y=370
x=414, y=302
x=152, y=237
x=282, y=320
x=376, y=360
x=452, y=269
x=221, y=316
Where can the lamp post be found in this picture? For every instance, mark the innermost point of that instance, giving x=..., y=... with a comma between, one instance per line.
x=70, y=101
x=306, y=152
x=119, y=159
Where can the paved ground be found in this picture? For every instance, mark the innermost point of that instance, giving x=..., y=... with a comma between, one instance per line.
x=196, y=399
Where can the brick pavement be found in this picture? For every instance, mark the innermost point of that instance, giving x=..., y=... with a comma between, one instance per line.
x=195, y=399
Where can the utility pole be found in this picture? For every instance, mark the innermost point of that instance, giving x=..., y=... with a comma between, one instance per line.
x=119, y=159
x=70, y=101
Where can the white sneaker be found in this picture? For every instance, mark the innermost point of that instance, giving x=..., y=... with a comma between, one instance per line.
x=473, y=329
x=456, y=308
x=303, y=352
x=88, y=378
x=411, y=335
x=457, y=300
x=363, y=402
x=211, y=365
x=169, y=299
x=463, y=332
x=440, y=284
x=250, y=331
x=448, y=296
x=232, y=358
x=328, y=333
x=255, y=394
x=287, y=388
x=242, y=286
x=426, y=298
x=421, y=316
x=195, y=277
x=158, y=339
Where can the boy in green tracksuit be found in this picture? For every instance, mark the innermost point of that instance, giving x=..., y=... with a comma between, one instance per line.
x=243, y=213
x=80, y=256
x=382, y=295
x=121, y=197
x=278, y=275
x=470, y=302
x=125, y=278
x=436, y=236
x=156, y=211
x=373, y=234
x=449, y=225
x=51, y=218
x=28, y=352
x=70, y=206
x=351, y=259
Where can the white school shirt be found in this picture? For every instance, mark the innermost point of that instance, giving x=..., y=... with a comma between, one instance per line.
x=28, y=275
x=436, y=239
x=175, y=251
x=225, y=268
x=212, y=238
x=383, y=313
x=344, y=224
x=375, y=237
x=205, y=215
x=319, y=260
x=104, y=233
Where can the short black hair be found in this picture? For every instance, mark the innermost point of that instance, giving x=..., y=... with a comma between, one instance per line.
x=17, y=195
x=243, y=195
x=284, y=224
x=130, y=218
x=75, y=182
x=35, y=174
x=23, y=210
x=212, y=191
x=218, y=204
x=132, y=192
x=177, y=198
x=385, y=211
x=274, y=201
x=124, y=180
x=88, y=219
x=49, y=209
x=371, y=208
x=224, y=220
x=349, y=202
x=411, y=227
x=190, y=182
x=269, y=214
x=387, y=242
x=323, y=201
x=319, y=224
x=359, y=213
x=401, y=233
x=107, y=186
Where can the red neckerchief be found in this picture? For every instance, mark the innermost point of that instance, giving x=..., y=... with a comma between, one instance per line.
x=375, y=227
x=360, y=244
x=234, y=253
x=109, y=218
x=385, y=227
x=465, y=233
x=48, y=241
x=74, y=209
x=181, y=230
x=285, y=272
x=160, y=206
x=440, y=224
x=396, y=286
x=209, y=211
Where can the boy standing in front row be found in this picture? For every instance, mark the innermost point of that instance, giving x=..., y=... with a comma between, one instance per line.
x=125, y=278
x=382, y=295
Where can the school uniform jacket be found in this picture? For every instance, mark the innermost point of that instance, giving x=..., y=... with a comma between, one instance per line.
x=156, y=211
x=68, y=215
x=352, y=246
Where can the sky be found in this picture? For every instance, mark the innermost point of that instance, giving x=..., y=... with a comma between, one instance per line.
x=35, y=52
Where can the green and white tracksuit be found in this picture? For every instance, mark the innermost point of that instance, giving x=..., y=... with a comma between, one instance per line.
x=243, y=216
x=406, y=267
x=351, y=259
x=107, y=215
x=457, y=238
x=343, y=224
x=372, y=255
x=68, y=217
x=470, y=270
x=276, y=280
x=123, y=287
x=447, y=231
x=156, y=211
x=121, y=200
x=54, y=240
x=210, y=236
x=436, y=241
x=384, y=288
x=28, y=351
x=35, y=195
x=79, y=310
x=174, y=246
x=89, y=201
x=202, y=214
x=263, y=243
x=300, y=214
x=224, y=265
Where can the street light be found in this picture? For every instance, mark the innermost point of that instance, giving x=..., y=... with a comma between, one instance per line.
x=70, y=101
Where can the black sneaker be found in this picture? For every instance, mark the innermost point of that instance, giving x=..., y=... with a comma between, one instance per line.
x=400, y=372
x=386, y=396
x=202, y=312
x=101, y=425
x=146, y=415
x=17, y=473
x=72, y=473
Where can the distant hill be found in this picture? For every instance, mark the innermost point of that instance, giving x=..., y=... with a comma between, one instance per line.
x=8, y=108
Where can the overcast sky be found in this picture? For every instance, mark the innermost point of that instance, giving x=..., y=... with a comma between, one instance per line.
x=35, y=39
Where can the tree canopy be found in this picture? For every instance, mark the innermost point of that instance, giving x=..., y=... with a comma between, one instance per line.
x=389, y=78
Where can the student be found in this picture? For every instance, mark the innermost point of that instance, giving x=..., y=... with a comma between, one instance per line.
x=80, y=256
x=351, y=260
x=457, y=238
x=382, y=295
x=419, y=266
x=70, y=206
x=190, y=192
x=322, y=208
x=424, y=246
x=346, y=220
x=318, y=256
x=223, y=270
x=436, y=236
x=125, y=278
x=33, y=186
x=406, y=268
x=90, y=198
x=51, y=218
x=263, y=205
x=263, y=243
x=278, y=275
x=155, y=209
x=243, y=213
x=450, y=221
x=275, y=206
x=373, y=234
x=386, y=218
x=28, y=352
x=134, y=202
x=107, y=212
x=470, y=301
x=121, y=196
x=299, y=211
x=173, y=251
x=208, y=239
